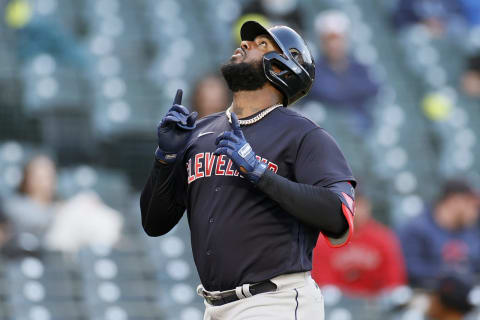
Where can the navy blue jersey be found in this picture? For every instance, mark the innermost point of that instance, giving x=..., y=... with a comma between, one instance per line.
x=238, y=234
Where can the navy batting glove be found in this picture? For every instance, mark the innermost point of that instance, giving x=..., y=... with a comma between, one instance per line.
x=233, y=145
x=174, y=130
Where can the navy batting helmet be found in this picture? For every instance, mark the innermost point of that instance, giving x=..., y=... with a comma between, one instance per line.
x=297, y=68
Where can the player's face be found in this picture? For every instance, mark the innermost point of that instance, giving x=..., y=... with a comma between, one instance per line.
x=251, y=51
x=244, y=70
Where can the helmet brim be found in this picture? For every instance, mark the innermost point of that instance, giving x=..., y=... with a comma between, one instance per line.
x=252, y=29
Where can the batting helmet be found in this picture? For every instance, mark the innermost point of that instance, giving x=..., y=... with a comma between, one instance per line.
x=297, y=68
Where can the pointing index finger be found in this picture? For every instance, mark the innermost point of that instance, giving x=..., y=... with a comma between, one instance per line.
x=178, y=97
x=235, y=124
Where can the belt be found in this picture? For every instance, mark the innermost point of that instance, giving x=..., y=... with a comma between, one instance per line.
x=242, y=292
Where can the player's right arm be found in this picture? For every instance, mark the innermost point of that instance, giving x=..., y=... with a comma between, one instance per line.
x=160, y=210
x=161, y=202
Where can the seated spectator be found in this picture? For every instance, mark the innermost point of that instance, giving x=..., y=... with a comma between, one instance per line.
x=471, y=77
x=445, y=238
x=370, y=264
x=450, y=298
x=439, y=16
x=81, y=221
x=39, y=222
x=31, y=210
x=340, y=80
x=210, y=95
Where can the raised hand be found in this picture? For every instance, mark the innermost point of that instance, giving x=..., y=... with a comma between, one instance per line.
x=233, y=145
x=174, y=130
x=179, y=115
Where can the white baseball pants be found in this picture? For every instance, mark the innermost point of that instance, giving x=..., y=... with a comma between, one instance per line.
x=297, y=298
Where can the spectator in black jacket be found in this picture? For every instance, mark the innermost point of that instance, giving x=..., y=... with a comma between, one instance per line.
x=450, y=299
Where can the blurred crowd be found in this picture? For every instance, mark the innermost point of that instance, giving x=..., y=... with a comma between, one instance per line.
x=435, y=254
x=34, y=219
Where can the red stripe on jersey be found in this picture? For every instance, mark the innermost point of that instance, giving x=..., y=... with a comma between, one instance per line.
x=350, y=202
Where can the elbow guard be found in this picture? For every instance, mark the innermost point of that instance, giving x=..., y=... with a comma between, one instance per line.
x=344, y=190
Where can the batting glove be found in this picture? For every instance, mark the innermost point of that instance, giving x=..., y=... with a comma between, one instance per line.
x=233, y=145
x=174, y=130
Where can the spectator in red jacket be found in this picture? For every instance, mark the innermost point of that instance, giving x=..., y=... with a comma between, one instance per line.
x=370, y=264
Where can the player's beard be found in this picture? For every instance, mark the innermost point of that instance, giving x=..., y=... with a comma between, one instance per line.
x=244, y=76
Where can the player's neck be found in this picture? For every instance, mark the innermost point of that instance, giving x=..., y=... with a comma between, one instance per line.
x=247, y=103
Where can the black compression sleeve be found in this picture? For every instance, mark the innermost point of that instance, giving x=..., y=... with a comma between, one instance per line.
x=160, y=210
x=315, y=206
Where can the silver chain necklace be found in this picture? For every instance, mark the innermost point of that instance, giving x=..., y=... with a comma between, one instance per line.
x=257, y=118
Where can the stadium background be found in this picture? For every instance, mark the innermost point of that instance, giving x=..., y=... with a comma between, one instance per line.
x=87, y=82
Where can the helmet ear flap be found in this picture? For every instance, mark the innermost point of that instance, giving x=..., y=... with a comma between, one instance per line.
x=279, y=70
x=288, y=80
x=272, y=61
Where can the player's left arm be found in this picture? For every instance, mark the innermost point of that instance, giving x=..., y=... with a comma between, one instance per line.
x=327, y=208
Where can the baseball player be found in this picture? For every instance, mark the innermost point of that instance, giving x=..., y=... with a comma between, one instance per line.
x=259, y=183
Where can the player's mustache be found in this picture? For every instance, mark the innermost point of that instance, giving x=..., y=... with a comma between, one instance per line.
x=241, y=50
